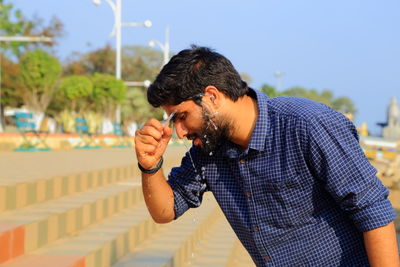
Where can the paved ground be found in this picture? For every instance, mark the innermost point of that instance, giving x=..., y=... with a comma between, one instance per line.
x=36, y=165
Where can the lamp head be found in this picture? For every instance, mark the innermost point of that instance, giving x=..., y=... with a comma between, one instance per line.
x=146, y=83
x=96, y=2
x=147, y=23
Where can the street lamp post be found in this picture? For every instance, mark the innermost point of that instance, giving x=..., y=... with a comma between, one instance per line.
x=164, y=47
x=18, y=39
x=116, y=7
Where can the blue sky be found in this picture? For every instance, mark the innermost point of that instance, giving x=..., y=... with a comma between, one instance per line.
x=350, y=47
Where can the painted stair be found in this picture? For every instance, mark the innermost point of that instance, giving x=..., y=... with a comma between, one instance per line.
x=97, y=217
x=173, y=245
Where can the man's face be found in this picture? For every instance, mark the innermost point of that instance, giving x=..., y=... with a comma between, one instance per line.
x=208, y=129
x=212, y=134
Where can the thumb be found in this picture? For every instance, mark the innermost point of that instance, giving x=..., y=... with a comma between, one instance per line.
x=166, y=136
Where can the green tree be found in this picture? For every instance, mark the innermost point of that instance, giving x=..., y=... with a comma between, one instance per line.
x=296, y=92
x=9, y=81
x=78, y=89
x=39, y=73
x=269, y=90
x=13, y=23
x=138, y=64
x=344, y=105
x=108, y=92
x=137, y=109
x=9, y=97
x=341, y=104
x=99, y=61
x=327, y=95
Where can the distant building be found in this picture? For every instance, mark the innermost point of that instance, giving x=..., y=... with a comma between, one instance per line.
x=391, y=128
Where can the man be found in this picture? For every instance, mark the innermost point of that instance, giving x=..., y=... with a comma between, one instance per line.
x=288, y=173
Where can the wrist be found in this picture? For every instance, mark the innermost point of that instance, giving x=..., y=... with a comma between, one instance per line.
x=152, y=170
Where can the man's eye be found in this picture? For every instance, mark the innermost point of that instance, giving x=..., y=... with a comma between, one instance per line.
x=181, y=117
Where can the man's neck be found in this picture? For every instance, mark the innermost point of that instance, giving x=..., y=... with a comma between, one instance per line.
x=244, y=113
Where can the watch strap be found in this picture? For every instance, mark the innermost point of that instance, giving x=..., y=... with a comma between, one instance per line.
x=153, y=170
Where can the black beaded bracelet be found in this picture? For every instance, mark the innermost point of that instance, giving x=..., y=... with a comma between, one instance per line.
x=154, y=170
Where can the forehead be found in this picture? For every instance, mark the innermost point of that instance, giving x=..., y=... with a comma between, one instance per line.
x=185, y=106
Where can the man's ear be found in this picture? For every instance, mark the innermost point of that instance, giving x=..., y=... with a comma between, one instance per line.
x=214, y=94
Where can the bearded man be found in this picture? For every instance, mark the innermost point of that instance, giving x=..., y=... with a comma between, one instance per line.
x=287, y=172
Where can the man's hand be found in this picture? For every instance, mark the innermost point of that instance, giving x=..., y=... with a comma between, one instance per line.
x=151, y=142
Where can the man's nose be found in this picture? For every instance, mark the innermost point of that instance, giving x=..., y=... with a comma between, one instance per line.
x=181, y=130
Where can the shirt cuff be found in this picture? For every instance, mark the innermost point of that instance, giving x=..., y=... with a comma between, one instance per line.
x=377, y=215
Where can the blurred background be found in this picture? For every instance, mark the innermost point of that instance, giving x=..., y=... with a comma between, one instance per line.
x=343, y=53
x=74, y=74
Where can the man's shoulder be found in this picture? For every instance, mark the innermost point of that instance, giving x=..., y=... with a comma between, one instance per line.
x=299, y=107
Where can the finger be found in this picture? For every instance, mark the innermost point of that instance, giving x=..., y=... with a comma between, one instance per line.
x=167, y=132
x=166, y=137
x=147, y=139
x=150, y=131
x=145, y=149
x=154, y=123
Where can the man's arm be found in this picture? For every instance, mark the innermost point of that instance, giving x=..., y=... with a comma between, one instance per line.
x=150, y=144
x=350, y=179
x=381, y=246
x=158, y=196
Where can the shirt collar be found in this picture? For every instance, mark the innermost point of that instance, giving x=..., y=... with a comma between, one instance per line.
x=259, y=135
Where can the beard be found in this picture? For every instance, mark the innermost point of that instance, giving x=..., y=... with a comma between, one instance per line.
x=213, y=133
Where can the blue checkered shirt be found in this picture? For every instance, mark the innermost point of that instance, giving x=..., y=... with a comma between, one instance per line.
x=301, y=194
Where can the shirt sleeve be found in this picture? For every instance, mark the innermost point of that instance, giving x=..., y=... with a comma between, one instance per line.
x=187, y=183
x=338, y=160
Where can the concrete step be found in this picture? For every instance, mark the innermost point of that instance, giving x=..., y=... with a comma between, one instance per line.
x=27, y=179
x=78, y=215
x=16, y=194
x=29, y=228
x=96, y=245
x=219, y=248
x=240, y=257
x=216, y=247
x=175, y=242
x=103, y=243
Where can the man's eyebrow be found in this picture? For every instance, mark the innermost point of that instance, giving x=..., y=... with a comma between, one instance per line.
x=176, y=114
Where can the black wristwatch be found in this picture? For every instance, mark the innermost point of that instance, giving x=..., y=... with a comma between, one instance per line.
x=154, y=170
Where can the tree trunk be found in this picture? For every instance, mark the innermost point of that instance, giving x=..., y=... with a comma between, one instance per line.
x=2, y=120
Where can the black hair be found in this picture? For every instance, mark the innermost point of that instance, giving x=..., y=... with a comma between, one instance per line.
x=189, y=72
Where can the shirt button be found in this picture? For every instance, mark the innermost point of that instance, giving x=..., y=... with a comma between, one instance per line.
x=256, y=229
x=266, y=258
x=242, y=161
x=248, y=194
